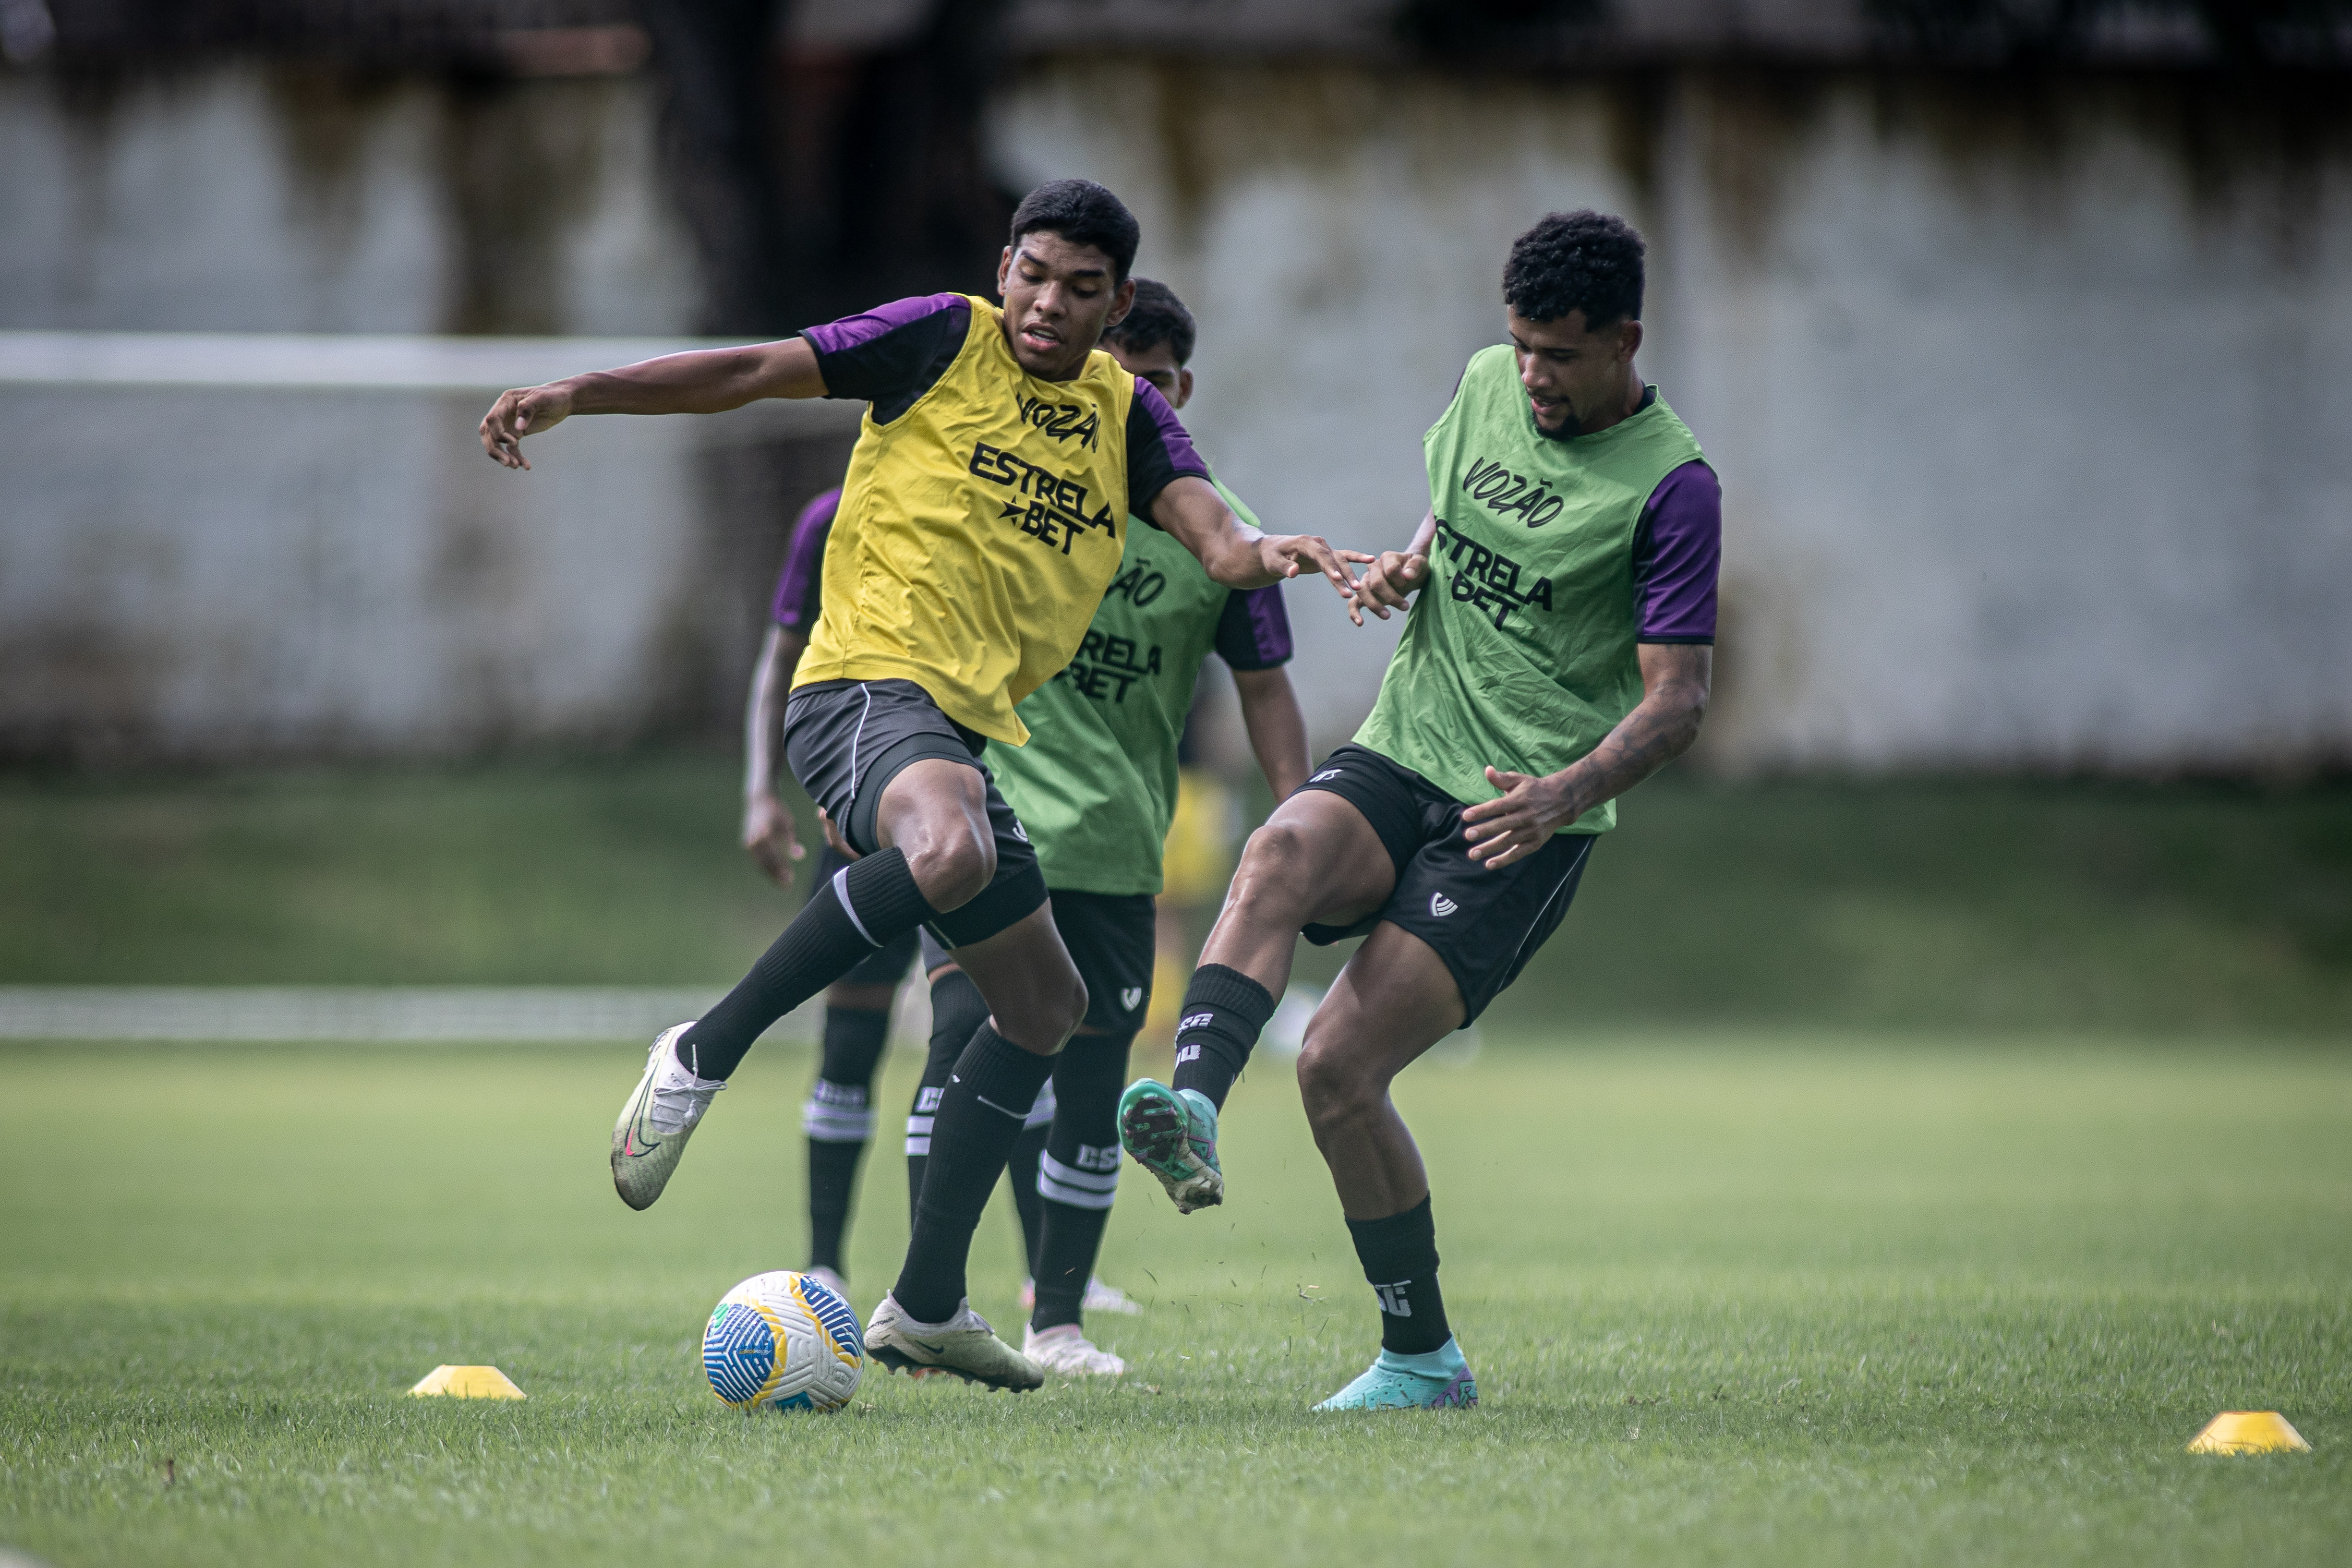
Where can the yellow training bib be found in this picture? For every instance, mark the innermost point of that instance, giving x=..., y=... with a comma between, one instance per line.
x=977, y=532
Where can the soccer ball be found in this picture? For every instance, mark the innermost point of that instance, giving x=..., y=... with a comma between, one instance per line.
x=783, y=1340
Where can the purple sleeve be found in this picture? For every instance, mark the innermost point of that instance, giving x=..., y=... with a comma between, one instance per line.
x=1157, y=449
x=1254, y=629
x=802, y=579
x=892, y=354
x=1677, y=552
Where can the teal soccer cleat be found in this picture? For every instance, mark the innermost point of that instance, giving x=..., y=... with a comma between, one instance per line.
x=1172, y=1133
x=1439, y=1380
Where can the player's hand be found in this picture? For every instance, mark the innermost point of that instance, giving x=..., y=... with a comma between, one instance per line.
x=769, y=836
x=1388, y=583
x=1288, y=554
x=1530, y=811
x=833, y=836
x=525, y=411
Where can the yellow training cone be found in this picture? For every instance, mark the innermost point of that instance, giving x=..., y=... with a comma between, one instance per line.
x=468, y=1383
x=2248, y=1432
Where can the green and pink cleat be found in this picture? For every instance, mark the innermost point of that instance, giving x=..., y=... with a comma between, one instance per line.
x=1172, y=1133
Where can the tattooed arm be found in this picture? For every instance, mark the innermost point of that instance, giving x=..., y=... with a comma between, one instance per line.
x=1674, y=677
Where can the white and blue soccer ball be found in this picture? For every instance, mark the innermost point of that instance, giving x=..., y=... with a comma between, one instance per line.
x=783, y=1341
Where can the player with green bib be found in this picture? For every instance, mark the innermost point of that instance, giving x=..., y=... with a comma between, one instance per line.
x=1095, y=789
x=1559, y=652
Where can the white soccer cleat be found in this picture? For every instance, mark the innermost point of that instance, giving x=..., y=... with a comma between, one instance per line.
x=1101, y=1296
x=1066, y=1352
x=657, y=1121
x=963, y=1346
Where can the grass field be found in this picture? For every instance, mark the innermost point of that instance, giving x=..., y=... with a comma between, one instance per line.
x=1732, y=1299
x=1918, y=904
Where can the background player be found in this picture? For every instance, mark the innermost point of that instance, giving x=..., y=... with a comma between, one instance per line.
x=838, y=1118
x=1562, y=655
x=1096, y=786
x=981, y=521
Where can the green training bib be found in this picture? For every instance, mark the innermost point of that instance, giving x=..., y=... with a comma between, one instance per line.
x=1095, y=785
x=1519, y=651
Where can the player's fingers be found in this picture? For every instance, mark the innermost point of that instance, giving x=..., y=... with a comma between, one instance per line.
x=1358, y=557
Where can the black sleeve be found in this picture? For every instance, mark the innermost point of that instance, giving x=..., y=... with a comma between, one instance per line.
x=892, y=354
x=1157, y=449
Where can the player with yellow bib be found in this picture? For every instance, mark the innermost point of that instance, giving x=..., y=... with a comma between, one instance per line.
x=984, y=515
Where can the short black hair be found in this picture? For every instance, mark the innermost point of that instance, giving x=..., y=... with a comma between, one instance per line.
x=1084, y=214
x=1157, y=317
x=1585, y=261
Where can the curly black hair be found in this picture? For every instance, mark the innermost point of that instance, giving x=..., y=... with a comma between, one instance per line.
x=1585, y=261
x=1157, y=317
x=1084, y=214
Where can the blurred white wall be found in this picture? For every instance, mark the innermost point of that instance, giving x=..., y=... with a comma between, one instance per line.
x=2032, y=430
x=281, y=198
x=291, y=561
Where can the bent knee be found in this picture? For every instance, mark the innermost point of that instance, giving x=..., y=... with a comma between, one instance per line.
x=1334, y=1086
x=1276, y=867
x=952, y=868
x=1042, y=1021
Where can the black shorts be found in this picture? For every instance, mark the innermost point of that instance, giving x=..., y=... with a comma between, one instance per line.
x=846, y=740
x=1485, y=924
x=1113, y=938
x=883, y=966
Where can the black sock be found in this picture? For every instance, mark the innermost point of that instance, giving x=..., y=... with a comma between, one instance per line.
x=980, y=1111
x=839, y=1121
x=1021, y=1174
x=1079, y=1176
x=957, y=1010
x=1223, y=1011
x=867, y=905
x=1400, y=1258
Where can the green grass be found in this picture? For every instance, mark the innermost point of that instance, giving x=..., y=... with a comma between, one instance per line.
x=1737, y=1300
x=1907, y=904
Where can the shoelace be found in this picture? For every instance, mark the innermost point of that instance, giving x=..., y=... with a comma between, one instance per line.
x=674, y=1104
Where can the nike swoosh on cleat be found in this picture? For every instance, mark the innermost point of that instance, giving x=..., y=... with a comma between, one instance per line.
x=935, y=1350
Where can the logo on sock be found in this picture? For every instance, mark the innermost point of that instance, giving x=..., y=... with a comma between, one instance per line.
x=1441, y=906
x=1091, y=1158
x=1195, y=1021
x=1188, y=1053
x=1393, y=1299
x=1129, y=997
x=927, y=1100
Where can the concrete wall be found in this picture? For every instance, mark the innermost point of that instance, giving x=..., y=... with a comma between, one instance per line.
x=291, y=565
x=306, y=199
x=2032, y=413
x=2031, y=406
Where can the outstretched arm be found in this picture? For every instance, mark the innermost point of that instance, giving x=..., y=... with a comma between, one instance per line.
x=1191, y=511
x=1278, y=730
x=1674, y=677
x=768, y=832
x=705, y=381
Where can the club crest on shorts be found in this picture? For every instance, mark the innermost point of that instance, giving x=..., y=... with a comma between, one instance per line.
x=1441, y=906
x=1129, y=997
